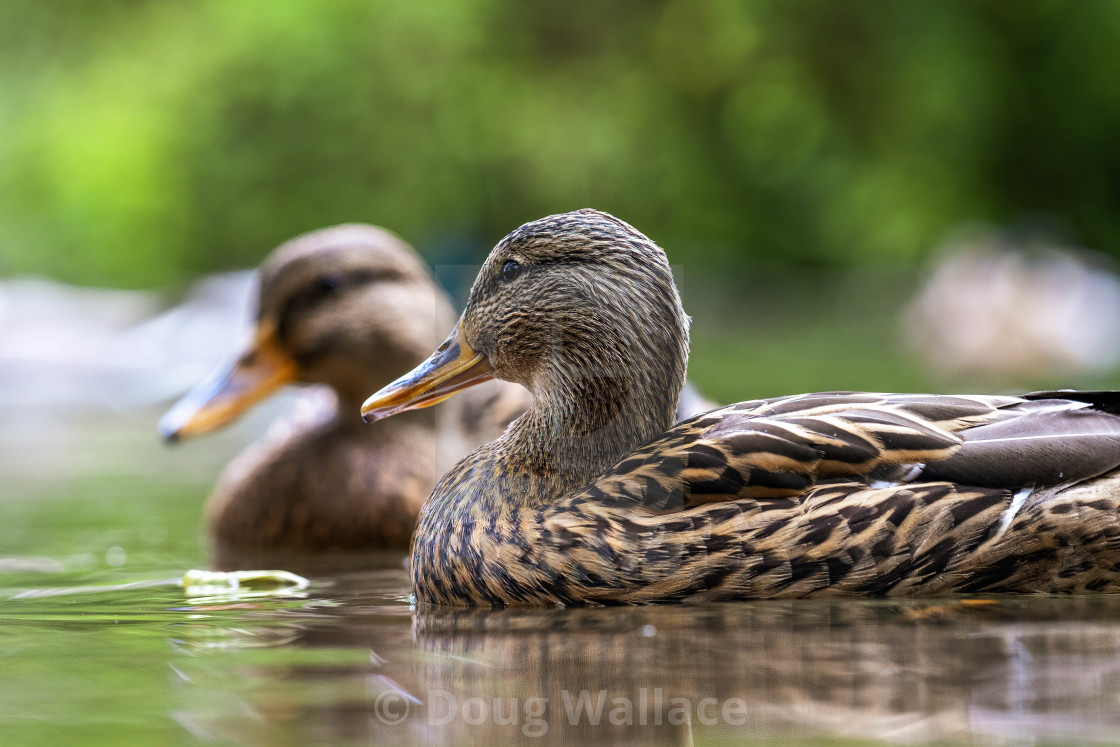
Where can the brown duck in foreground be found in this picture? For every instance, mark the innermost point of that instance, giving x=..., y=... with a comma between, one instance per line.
x=350, y=307
x=592, y=497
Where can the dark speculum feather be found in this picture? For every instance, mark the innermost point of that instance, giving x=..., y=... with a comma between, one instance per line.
x=1036, y=449
x=1105, y=401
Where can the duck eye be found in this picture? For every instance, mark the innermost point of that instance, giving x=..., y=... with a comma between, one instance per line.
x=317, y=291
x=324, y=286
x=511, y=270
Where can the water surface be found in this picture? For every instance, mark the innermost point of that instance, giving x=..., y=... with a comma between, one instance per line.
x=100, y=645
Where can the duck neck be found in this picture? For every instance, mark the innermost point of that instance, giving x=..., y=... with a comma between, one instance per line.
x=586, y=418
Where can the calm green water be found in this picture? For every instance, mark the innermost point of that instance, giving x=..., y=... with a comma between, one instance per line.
x=100, y=645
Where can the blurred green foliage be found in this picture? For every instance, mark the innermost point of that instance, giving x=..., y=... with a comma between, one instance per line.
x=144, y=141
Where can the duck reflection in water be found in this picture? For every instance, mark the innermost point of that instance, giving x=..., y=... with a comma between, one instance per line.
x=926, y=671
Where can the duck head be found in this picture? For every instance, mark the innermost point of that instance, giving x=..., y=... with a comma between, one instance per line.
x=582, y=310
x=350, y=306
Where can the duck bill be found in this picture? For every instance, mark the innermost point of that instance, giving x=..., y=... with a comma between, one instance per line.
x=231, y=390
x=453, y=367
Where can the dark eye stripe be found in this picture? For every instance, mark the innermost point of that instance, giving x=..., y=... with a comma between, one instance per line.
x=323, y=287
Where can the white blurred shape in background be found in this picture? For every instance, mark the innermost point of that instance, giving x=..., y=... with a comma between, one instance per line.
x=65, y=348
x=1006, y=310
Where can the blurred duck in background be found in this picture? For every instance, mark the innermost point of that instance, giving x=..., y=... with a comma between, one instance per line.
x=1009, y=310
x=349, y=307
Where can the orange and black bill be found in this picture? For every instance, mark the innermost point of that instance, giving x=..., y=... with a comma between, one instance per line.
x=453, y=367
x=230, y=391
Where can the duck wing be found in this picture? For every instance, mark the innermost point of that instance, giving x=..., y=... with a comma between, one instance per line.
x=775, y=451
x=849, y=494
x=844, y=539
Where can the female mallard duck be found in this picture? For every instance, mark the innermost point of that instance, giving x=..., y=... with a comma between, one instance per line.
x=350, y=307
x=591, y=496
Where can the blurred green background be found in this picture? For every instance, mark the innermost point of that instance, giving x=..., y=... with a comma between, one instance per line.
x=145, y=142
